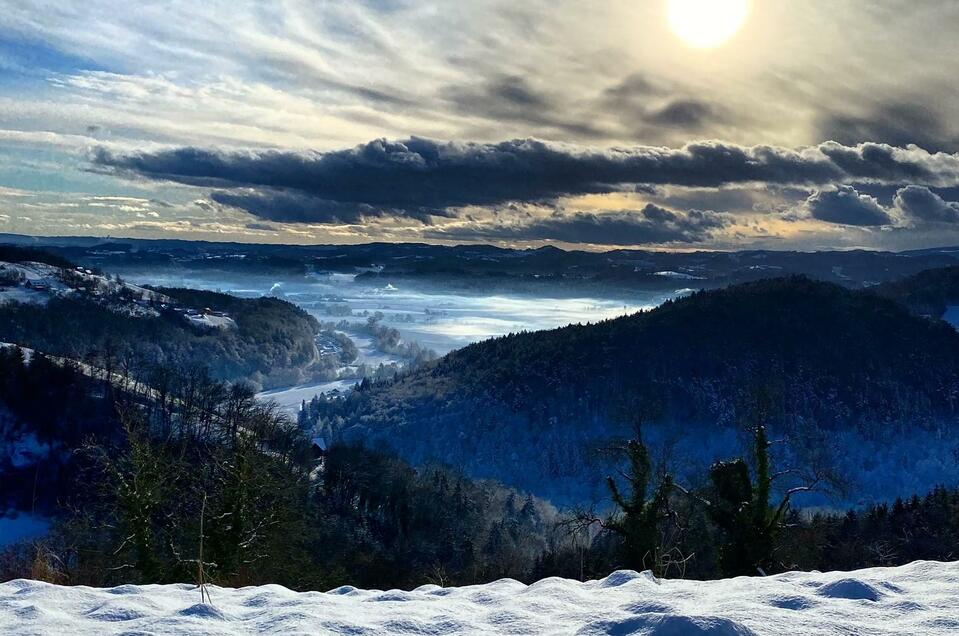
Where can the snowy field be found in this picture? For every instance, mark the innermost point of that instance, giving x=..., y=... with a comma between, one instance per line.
x=920, y=598
x=289, y=399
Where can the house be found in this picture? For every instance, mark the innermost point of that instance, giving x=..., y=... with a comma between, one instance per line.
x=37, y=285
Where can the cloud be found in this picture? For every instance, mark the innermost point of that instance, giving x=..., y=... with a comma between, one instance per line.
x=263, y=227
x=845, y=206
x=897, y=124
x=512, y=98
x=922, y=205
x=688, y=114
x=421, y=177
x=294, y=207
x=651, y=225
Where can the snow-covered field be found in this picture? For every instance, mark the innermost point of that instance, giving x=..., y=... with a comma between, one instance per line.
x=289, y=399
x=920, y=598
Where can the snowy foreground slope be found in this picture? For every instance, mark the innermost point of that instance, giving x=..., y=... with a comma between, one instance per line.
x=920, y=598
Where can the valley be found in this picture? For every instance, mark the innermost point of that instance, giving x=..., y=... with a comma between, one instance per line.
x=375, y=401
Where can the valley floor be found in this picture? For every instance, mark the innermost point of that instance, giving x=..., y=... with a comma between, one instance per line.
x=919, y=598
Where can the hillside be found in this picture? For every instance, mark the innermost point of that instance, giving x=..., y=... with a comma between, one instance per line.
x=77, y=313
x=840, y=368
x=913, y=599
x=928, y=293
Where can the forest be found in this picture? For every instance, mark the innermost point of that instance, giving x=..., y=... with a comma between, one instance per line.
x=169, y=476
x=845, y=368
x=273, y=344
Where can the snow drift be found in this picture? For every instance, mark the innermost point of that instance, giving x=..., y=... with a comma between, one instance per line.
x=920, y=598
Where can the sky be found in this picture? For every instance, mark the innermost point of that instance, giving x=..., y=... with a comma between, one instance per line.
x=656, y=124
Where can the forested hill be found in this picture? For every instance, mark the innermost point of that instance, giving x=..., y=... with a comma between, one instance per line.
x=928, y=293
x=265, y=341
x=527, y=408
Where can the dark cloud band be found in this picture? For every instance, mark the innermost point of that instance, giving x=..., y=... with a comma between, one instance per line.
x=651, y=225
x=420, y=177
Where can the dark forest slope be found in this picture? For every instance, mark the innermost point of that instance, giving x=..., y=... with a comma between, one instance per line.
x=272, y=344
x=530, y=408
x=927, y=293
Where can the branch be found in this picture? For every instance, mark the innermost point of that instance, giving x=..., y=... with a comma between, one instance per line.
x=693, y=495
x=785, y=502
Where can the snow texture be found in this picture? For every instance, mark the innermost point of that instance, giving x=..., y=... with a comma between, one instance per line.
x=920, y=598
x=214, y=322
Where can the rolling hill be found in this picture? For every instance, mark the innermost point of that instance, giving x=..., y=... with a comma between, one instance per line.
x=50, y=305
x=853, y=381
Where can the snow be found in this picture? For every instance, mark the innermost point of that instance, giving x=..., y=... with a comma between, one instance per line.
x=919, y=598
x=23, y=295
x=438, y=318
x=289, y=399
x=678, y=275
x=25, y=450
x=210, y=320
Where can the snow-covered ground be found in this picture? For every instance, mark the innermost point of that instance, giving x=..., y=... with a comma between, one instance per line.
x=434, y=318
x=920, y=598
x=289, y=399
x=23, y=295
x=212, y=321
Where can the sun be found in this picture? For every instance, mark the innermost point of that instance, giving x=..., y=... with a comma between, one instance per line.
x=706, y=24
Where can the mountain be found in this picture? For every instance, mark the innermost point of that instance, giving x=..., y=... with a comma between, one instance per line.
x=852, y=380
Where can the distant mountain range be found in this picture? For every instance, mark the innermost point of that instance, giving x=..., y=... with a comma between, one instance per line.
x=852, y=379
x=485, y=267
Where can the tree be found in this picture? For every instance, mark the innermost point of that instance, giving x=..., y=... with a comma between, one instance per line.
x=741, y=509
x=639, y=514
x=140, y=481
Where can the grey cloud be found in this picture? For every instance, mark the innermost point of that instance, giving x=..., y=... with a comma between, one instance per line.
x=689, y=114
x=644, y=106
x=651, y=225
x=637, y=85
x=298, y=207
x=845, y=206
x=421, y=177
x=885, y=163
x=897, y=124
x=512, y=98
x=925, y=206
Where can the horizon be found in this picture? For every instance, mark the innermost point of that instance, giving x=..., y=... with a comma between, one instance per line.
x=45, y=240
x=660, y=125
